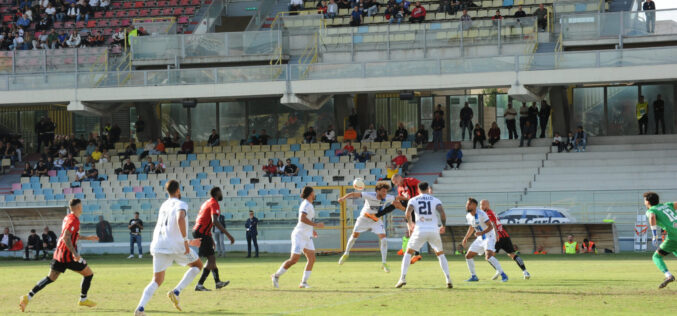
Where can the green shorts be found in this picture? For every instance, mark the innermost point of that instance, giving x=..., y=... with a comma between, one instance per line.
x=669, y=245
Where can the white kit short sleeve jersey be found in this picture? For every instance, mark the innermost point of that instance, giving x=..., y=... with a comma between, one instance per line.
x=167, y=238
x=479, y=222
x=303, y=228
x=425, y=212
x=373, y=204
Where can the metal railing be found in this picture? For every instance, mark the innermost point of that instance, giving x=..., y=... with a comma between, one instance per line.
x=46, y=61
x=172, y=77
x=262, y=12
x=619, y=25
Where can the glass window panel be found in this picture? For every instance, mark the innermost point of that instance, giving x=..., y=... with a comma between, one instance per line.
x=427, y=111
x=621, y=109
x=174, y=119
x=231, y=121
x=406, y=112
x=494, y=108
x=85, y=124
x=322, y=118
x=650, y=93
x=589, y=110
x=202, y=121
x=381, y=112
x=291, y=123
x=262, y=116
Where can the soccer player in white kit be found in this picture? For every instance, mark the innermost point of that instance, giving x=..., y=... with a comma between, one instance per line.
x=426, y=229
x=373, y=202
x=170, y=244
x=301, y=239
x=485, y=243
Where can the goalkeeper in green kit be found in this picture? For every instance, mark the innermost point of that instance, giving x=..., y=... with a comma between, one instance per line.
x=663, y=216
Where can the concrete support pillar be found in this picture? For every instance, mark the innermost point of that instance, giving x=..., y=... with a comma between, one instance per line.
x=561, y=110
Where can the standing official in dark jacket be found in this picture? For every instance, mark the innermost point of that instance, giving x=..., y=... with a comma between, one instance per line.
x=34, y=243
x=544, y=116
x=251, y=226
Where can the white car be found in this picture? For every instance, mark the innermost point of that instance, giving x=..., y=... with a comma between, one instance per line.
x=535, y=215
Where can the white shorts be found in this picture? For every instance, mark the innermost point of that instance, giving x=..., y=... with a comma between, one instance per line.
x=363, y=224
x=480, y=245
x=419, y=238
x=162, y=261
x=300, y=242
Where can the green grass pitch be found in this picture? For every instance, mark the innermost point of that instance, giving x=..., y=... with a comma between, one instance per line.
x=623, y=284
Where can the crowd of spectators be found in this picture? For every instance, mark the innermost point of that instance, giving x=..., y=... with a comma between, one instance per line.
x=280, y=169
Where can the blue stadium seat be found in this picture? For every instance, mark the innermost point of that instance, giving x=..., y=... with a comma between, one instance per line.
x=62, y=179
x=122, y=177
x=263, y=192
x=127, y=189
x=260, y=214
x=201, y=193
x=35, y=179
x=335, y=146
x=147, y=189
x=375, y=171
x=75, y=184
x=62, y=173
x=184, y=164
x=307, y=179
x=100, y=196
x=228, y=215
x=59, y=197
x=295, y=147
x=248, y=168
x=37, y=191
x=36, y=186
x=580, y=7
x=142, y=176
x=318, y=166
x=334, y=159
x=80, y=196
x=317, y=179
x=152, y=195
x=96, y=184
x=329, y=153
x=284, y=192
x=18, y=192
x=406, y=144
x=217, y=169
x=250, y=203
x=272, y=141
x=359, y=165
x=323, y=214
x=9, y=198
x=140, y=195
x=242, y=192
x=228, y=169
x=52, y=180
x=201, y=175
x=163, y=182
x=49, y=197
x=281, y=141
x=214, y=163
x=295, y=160
x=47, y=191
x=194, y=182
x=145, y=206
x=248, y=186
x=191, y=157
x=102, y=176
x=286, y=179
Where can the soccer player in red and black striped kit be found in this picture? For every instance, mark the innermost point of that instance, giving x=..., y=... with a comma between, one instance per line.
x=206, y=220
x=407, y=188
x=504, y=242
x=66, y=256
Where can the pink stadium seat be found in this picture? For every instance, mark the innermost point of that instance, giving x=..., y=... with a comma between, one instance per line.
x=173, y=3
x=137, y=189
x=127, y=5
x=121, y=14
x=58, y=25
x=162, y=4
x=110, y=15
x=167, y=11
x=69, y=25
x=189, y=11
x=184, y=3
x=126, y=22
x=183, y=19
x=177, y=11
x=16, y=186
x=155, y=12
x=133, y=13
x=7, y=18
x=108, y=32
x=144, y=13
x=67, y=191
x=80, y=24
x=114, y=22
x=195, y=2
x=98, y=14
x=116, y=5
x=77, y=190
x=140, y=4
x=101, y=23
x=51, y=173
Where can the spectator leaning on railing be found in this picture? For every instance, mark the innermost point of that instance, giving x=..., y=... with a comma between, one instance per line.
x=417, y=13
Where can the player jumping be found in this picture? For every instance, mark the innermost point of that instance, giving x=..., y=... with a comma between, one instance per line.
x=504, y=242
x=301, y=239
x=426, y=229
x=66, y=256
x=485, y=242
x=207, y=218
x=663, y=216
x=373, y=202
x=170, y=244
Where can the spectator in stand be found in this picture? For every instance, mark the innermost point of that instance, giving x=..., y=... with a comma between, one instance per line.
x=397, y=15
x=84, y=13
x=381, y=134
x=74, y=40
x=9, y=152
x=455, y=156
x=160, y=166
x=28, y=171
x=7, y=240
x=557, y=141
x=347, y=150
x=349, y=134
x=329, y=136
x=466, y=116
x=295, y=5
x=280, y=167
x=391, y=171
x=62, y=39
x=401, y=133
x=41, y=170
x=104, y=5
x=421, y=136
x=291, y=169
x=93, y=173
x=94, y=4
x=541, y=15
x=332, y=10
x=524, y=116
x=401, y=162
x=103, y=230
x=309, y=136
x=363, y=156
x=356, y=17
x=187, y=147
x=344, y=4
x=466, y=20
x=437, y=126
x=253, y=138
x=48, y=241
x=494, y=134
x=270, y=169
x=649, y=8
x=50, y=12
x=642, y=115
x=369, y=134
x=80, y=174
x=659, y=112
x=533, y=115
x=118, y=37
x=70, y=162
x=159, y=147
x=478, y=136
x=130, y=150
x=129, y=167
x=527, y=133
x=263, y=138
x=44, y=24
x=96, y=154
x=371, y=9
x=73, y=12
x=34, y=243
x=213, y=139
x=496, y=18
x=139, y=127
x=150, y=168
x=58, y=163
x=580, y=139
x=520, y=12
x=418, y=13
x=544, y=116
x=510, y=114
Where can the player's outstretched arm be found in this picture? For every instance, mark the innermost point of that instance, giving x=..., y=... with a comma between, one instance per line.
x=215, y=220
x=182, y=229
x=407, y=216
x=654, y=229
x=351, y=195
x=91, y=237
x=467, y=235
x=398, y=205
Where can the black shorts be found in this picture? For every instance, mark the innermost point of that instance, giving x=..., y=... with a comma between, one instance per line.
x=506, y=244
x=206, y=244
x=62, y=266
